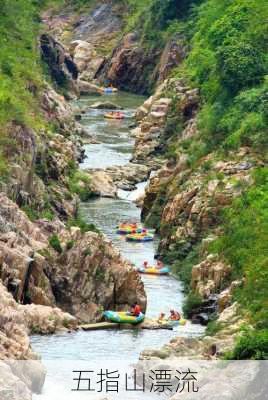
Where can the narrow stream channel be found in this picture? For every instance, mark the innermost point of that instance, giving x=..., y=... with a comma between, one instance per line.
x=114, y=148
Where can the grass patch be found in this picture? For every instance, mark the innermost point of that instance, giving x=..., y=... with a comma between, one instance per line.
x=80, y=222
x=79, y=183
x=192, y=302
x=252, y=345
x=55, y=243
x=183, y=268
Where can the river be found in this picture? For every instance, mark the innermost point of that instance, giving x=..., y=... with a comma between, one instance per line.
x=114, y=147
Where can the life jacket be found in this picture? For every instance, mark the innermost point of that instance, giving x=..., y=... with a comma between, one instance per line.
x=137, y=310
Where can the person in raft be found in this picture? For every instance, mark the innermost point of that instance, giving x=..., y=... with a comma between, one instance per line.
x=174, y=315
x=135, y=310
x=145, y=264
x=159, y=264
x=161, y=317
x=119, y=114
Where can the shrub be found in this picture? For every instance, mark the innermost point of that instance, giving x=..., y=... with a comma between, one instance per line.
x=79, y=221
x=252, y=345
x=244, y=246
x=79, y=183
x=54, y=242
x=183, y=268
x=213, y=327
x=87, y=252
x=192, y=302
x=70, y=244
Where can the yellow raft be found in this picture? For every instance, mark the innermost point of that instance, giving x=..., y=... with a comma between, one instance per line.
x=114, y=116
x=173, y=323
x=154, y=271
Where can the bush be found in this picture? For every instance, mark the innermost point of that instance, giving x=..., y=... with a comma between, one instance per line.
x=253, y=345
x=183, y=268
x=79, y=183
x=244, y=246
x=54, y=242
x=228, y=63
x=192, y=302
x=70, y=244
x=84, y=226
x=213, y=327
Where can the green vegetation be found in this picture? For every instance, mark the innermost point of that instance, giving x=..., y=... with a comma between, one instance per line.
x=252, y=345
x=80, y=222
x=183, y=267
x=34, y=214
x=213, y=327
x=228, y=62
x=244, y=246
x=193, y=301
x=70, y=244
x=79, y=183
x=19, y=63
x=54, y=242
x=158, y=20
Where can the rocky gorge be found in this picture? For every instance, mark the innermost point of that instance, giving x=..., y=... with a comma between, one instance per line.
x=56, y=270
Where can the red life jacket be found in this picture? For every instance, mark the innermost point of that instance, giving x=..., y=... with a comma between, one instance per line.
x=137, y=310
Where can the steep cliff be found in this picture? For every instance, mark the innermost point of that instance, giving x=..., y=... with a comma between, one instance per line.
x=208, y=125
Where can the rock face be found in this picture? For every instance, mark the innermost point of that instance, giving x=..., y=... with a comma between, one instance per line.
x=208, y=276
x=193, y=200
x=152, y=133
x=129, y=66
x=87, y=275
x=20, y=378
x=86, y=59
x=132, y=67
x=42, y=156
x=174, y=53
x=91, y=276
x=62, y=68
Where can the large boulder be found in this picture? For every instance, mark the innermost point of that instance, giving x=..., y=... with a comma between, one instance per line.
x=84, y=276
x=92, y=276
x=86, y=59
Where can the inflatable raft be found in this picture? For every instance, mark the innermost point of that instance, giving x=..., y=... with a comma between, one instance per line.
x=114, y=116
x=128, y=229
x=123, y=317
x=154, y=270
x=140, y=237
x=109, y=90
x=180, y=322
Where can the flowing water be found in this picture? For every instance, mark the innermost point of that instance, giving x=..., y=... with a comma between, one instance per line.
x=113, y=147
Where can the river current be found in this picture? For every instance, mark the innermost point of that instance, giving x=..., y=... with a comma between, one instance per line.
x=113, y=146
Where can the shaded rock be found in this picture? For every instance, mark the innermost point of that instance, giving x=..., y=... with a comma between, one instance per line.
x=126, y=67
x=173, y=54
x=62, y=68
